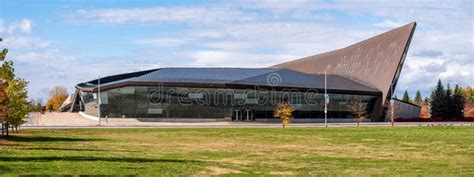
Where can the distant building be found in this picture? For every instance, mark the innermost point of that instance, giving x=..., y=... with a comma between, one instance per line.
x=361, y=78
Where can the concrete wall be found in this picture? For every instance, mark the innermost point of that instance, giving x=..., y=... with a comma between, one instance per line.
x=403, y=110
x=91, y=108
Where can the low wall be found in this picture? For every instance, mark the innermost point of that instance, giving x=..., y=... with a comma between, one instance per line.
x=403, y=109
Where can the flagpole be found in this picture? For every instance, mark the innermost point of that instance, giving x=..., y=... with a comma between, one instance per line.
x=325, y=99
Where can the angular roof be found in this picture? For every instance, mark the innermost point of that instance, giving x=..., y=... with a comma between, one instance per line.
x=264, y=77
x=376, y=62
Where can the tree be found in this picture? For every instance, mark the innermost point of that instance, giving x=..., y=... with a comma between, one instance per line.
x=405, y=97
x=35, y=105
x=358, y=111
x=16, y=91
x=394, y=112
x=285, y=112
x=426, y=101
x=424, y=112
x=18, y=106
x=450, y=105
x=418, y=100
x=38, y=105
x=58, y=95
x=58, y=90
x=468, y=93
x=458, y=103
x=469, y=111
x=438, y=101
x=425, y=108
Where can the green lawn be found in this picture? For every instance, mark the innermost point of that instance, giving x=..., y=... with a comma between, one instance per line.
x=293, y=151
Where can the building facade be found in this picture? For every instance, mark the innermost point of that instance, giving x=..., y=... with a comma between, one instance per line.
x=359, y=82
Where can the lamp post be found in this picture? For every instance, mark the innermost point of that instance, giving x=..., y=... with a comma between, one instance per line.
x=98, y=98
x=326, y=99
x=392, y=112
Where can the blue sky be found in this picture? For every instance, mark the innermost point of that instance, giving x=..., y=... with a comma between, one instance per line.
x=67, y=42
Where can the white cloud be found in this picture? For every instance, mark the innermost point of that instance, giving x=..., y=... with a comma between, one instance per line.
x=429, y=53
x=24, y=26
x=205, y=14
x=161, y=41
x=389, y=24
x=219, y=58
x=24, y=42
x=2, y=28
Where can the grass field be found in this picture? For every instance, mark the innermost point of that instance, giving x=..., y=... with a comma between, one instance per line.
x=293, y=151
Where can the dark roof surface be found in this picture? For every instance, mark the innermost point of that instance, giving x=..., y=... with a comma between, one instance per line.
x=271, y=77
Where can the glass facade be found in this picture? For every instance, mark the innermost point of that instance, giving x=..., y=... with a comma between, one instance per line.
x=235, y=104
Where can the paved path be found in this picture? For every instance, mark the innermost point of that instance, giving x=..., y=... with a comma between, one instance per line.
x=74, y=120
x=58, y=119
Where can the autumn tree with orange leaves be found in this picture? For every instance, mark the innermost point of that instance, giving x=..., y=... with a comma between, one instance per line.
x=57, y=96
x=285, y=112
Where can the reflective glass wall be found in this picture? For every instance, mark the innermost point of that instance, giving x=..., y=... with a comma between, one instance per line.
x=238, y=104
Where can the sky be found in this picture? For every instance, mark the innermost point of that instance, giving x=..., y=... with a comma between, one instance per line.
x=68, y=42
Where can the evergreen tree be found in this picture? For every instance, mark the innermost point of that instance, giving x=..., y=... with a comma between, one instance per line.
x=406, y=97
x=426, y=101
x=395, y=97
x=438, y=101
x=458, y=102
x=38, y=107
x=449, y=102
x=418, y=99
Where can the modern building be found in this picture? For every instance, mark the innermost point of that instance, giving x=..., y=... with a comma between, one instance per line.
x=360, y=81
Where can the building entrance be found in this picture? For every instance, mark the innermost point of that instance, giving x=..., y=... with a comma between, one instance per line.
x=243, y=115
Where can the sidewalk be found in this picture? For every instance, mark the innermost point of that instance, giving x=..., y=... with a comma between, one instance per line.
x=74, y=120
x=58, y=119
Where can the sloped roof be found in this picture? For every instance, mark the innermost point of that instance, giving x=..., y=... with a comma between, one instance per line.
x=268, y=77
x=376, y=62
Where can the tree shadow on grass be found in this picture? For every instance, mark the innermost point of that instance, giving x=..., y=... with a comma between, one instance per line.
x=11, y=144
x=95, y=159
x=74, y=149
x=4, y=169
x=45, y=139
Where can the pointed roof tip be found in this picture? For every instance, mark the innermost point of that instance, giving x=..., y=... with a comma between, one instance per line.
x=413, y=23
